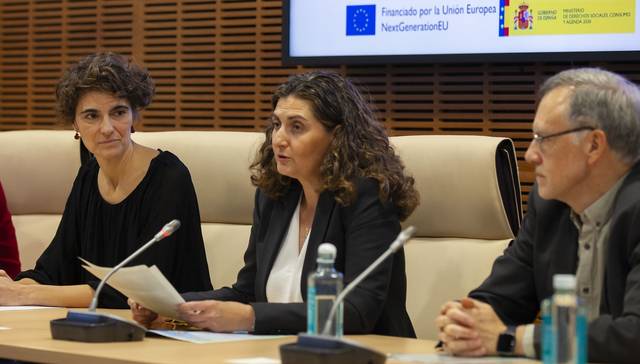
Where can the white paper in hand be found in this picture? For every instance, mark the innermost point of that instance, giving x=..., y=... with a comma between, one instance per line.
x=145, y=285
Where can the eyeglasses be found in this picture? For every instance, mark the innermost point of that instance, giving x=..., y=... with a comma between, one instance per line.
x=541, y=138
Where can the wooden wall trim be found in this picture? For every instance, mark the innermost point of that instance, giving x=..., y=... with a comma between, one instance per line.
x=216, y=64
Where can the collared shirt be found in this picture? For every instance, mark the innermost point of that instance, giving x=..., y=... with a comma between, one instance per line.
x=593, y=229
x=593, y=232
x=283, y=284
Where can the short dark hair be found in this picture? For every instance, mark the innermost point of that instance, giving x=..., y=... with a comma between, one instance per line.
x=360, y=146
x=107, y=72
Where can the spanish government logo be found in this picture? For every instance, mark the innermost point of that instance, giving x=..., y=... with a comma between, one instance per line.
x=523, y=18
x=361, y=20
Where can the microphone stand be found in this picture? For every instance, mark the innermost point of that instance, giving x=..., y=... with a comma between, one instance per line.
x=317, y=349
x=91, y=326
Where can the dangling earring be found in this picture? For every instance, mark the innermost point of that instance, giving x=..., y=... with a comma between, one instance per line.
x=77, y=136
x=132, y=129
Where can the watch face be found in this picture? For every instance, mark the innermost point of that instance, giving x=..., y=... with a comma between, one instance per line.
x=506, y=343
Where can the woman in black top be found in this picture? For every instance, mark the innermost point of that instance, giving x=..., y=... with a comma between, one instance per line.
x=120, y=198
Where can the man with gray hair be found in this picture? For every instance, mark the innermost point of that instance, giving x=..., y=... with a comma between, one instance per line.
x=583, y=218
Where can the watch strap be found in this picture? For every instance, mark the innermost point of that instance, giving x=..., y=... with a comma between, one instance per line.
x=507, y=341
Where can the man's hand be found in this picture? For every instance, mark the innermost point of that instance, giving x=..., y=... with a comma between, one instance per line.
x=487, y=324
x=457, y=330
x=469, y=328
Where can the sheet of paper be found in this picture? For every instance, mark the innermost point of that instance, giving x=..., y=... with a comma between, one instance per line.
x=22, y=308
x=205, y=337
x=145, y=285
x=448, y=359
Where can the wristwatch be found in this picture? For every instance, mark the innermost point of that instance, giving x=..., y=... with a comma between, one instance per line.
x=507, y=342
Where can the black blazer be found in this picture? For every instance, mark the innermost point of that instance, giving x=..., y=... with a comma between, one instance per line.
x=546, y=245
x=361, y=232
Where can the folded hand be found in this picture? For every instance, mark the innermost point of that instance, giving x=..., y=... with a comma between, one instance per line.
x=469, y=328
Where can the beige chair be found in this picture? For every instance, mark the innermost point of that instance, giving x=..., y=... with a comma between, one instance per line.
x=470, y=209
x=37, y=169
x=219, y=165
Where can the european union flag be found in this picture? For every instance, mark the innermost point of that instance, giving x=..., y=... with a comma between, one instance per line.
x=361, y=20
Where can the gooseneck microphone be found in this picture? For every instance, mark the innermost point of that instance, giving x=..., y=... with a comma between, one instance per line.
x=166, y=231
x=401, y=239
x=91, y=326
x=326, y=349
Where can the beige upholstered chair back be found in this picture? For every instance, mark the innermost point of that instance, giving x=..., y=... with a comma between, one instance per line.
x=51, y=156
x=469, y=210
x=219, y=165
x=37, y=169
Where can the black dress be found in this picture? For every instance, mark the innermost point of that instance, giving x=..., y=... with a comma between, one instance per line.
x=106, y=234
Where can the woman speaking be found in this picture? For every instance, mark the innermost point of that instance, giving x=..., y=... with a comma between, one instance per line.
x=325, y=173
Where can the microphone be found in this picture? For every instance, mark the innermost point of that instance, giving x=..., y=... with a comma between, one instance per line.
x=91, y=326
x=323, y=348
x=401, y=239
x=166, y=231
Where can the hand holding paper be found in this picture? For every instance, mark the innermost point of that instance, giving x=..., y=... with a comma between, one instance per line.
x=145, y=285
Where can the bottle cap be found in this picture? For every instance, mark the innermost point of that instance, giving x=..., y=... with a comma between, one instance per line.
x=326, y=253
x=564, y=281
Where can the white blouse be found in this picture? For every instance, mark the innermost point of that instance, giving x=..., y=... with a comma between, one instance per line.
x=283, y=284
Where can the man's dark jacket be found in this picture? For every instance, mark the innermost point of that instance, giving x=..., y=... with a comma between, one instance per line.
x=546, y=245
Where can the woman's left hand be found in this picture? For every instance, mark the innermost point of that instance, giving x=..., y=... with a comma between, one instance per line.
x=218, y=316
x=142, y=315
x=4, y=274
x=10, y=291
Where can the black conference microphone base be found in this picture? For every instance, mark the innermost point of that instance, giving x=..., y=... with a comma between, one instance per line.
x=314, y=349
x=88, y=326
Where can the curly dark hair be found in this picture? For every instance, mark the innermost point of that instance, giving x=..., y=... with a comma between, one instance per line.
x=359, y=148
x=107, y=72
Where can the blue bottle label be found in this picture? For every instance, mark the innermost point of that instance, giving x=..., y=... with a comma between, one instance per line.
x=548, y=337
x=582, y=325
x=311, y=310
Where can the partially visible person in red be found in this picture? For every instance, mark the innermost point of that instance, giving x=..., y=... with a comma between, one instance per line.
x=9, y=258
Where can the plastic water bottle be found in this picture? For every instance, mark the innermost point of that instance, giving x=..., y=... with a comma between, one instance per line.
x=564, y=312
x=323, y=287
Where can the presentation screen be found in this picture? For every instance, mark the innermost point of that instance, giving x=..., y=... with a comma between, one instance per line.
x=383, y=31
